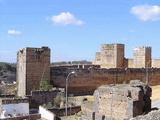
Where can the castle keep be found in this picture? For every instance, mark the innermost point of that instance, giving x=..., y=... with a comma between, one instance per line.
x=33, y=65
x=112, y=56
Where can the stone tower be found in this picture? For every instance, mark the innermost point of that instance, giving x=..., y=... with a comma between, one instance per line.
x=142, y=57
x=33, y=65
x=97, y=60
x=112, y=55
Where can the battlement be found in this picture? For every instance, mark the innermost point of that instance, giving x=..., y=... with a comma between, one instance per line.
x=143, y=47
x=96, y=77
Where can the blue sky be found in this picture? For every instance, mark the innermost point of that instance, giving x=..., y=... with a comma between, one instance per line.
x=75, y=29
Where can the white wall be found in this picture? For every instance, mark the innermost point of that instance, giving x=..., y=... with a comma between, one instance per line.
x=19, y=109
x=46, y=114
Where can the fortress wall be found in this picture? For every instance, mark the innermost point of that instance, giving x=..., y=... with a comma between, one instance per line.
x=88, y=80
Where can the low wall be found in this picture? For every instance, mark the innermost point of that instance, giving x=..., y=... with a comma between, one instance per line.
x=29, y=117
x=41, y=97
x=61, y=111
x=87, y=80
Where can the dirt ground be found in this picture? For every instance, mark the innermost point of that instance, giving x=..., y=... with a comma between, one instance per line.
x=155, y=93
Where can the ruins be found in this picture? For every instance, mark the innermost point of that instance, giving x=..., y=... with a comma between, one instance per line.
x=118, y=102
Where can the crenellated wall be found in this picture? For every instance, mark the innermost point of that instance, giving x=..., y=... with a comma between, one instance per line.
x=87, y=80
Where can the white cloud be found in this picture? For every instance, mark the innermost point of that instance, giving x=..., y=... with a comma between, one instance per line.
x=66, y=18
x=14, y=32
x=147, y=12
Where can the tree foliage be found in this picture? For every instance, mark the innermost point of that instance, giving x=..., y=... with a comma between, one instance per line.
x=44, y=85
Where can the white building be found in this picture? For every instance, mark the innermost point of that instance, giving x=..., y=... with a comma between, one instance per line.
x=12, y=107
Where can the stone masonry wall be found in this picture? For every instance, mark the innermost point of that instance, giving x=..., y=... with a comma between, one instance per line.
x=97, y=60
x=111, y=56
x=33, y=65
x=142, y=57
x=87, y=80
x=42, y=97
x=119, y=102
x=153, y=115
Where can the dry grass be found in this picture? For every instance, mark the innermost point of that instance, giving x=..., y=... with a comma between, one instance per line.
x=155, y=93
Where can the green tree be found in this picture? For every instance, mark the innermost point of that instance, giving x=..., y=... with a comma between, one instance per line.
x=44, y=85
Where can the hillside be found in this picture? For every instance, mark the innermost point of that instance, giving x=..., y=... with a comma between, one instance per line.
x=7, y=73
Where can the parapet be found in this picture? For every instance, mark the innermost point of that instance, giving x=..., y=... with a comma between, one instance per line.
x=110, y=46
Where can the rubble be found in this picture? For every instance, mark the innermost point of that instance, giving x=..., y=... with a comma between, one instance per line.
x=119, y=102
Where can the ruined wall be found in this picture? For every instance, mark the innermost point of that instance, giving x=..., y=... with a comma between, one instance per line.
x=33, y=65
x=153, y=115
x=119, y=102
x=61, y=111
x=42, y=97
x=142, y=57
x=87, y=80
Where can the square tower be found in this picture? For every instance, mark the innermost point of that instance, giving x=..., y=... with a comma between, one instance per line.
x=112, y=55
x=142, y=57
x=33, y=65
x=97, y=60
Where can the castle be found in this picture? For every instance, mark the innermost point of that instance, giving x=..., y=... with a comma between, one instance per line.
x=112, y=56
x=109, y=67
